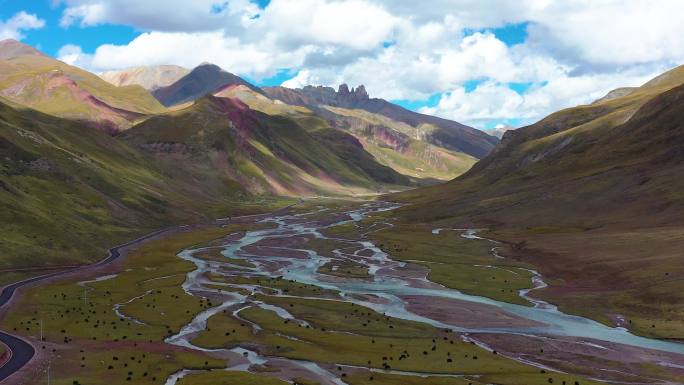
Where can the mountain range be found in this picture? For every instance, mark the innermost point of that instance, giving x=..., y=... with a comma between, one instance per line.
x=417, y=145
x=37, y=81
x=103, y=158
x=86, y=158
x=438, y=131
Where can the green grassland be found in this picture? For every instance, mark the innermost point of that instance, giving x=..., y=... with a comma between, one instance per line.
x=121, y=365
x=214, y=254
x=345, y=334
x=463, y=264
x=393, y=379
x=467, y=265
x=520, y=379
x=87, y=326
x=648, y=297
x=325, y=247
x=345, y=230
x=288, y=287
x=229, y=378
x=45, y=85
x=344, y=269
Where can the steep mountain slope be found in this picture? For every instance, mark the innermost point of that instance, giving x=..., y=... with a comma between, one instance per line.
x=441, y=132
x=412, y=150
x=149, y=77
x=263, y=153
x=50, y=86
x=616, y=93
x=592, y=196
x=202, y=80
x=390, y=142
x=68, y=191
x=393, y=144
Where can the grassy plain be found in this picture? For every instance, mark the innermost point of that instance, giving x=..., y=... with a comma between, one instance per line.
x=86, y=331
x=345, y=269
x=229, y=378
x=347, y=336
x=467, y=265
x=463, y=264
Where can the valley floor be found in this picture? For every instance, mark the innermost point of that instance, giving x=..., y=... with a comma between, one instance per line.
x=623, y=277
x=329, y=292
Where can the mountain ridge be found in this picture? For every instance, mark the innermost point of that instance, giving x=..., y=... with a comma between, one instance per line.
x=200, y=81
x=438, y=131
x=604, y=177
x=279, y=155
x=34, y=80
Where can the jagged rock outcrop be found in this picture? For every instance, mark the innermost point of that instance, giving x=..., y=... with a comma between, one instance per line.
x=442, y=132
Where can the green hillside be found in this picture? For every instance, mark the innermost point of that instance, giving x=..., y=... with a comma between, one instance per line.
x=579, y=194
x=400, y=146
x=440, y=132
x=263, y=153
x=392, y=143
x=67, y=191
x=55, y=88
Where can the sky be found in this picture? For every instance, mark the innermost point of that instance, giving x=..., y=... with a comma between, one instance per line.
x=490, y=64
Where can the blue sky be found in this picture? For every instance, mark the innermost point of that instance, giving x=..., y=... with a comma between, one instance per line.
x=486, y=66
x=53, y=37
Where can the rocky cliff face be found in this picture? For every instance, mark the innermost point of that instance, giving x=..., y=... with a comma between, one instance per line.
x=344, y=97
x=315, y=95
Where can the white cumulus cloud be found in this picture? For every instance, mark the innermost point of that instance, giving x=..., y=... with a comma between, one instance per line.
x=574, y=51
x=13, y=27
x=491, y=101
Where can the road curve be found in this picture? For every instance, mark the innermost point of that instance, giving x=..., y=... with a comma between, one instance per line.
x=22, y=351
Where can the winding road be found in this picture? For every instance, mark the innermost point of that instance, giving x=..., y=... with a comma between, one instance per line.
x=22, y=351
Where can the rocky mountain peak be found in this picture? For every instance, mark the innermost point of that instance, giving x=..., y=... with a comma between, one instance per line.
x=358, y=93
x=361, y=92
